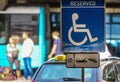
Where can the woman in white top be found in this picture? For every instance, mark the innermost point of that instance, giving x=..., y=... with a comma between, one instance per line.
x=12, y=53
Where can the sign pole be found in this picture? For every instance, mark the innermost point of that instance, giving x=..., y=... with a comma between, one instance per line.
x=83, y=74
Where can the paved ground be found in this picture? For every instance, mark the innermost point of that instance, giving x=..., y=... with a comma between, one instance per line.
x=21, y=80
x=16, y=81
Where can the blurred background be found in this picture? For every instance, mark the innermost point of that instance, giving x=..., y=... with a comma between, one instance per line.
x=40, y=18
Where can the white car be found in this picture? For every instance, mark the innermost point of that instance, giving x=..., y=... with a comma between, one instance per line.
x=56, y=71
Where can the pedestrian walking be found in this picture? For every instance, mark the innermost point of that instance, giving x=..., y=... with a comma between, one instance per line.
x=56, y=45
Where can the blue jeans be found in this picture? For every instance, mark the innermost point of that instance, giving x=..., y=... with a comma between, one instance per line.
x=27, y=67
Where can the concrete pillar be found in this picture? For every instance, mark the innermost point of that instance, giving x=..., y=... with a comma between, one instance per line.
x=3, y=3
x=21, y=1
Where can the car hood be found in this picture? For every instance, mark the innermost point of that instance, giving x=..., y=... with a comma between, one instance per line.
x=55, y=81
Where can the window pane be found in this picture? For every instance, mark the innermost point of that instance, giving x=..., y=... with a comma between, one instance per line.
x=107, y=18
x=116, y=18
x=55, y=20
x=3, y=30
x=25, y=23
x=52, y=72
x=115, y=30
x=107, y=30
x=58, y=72
x=113, y=42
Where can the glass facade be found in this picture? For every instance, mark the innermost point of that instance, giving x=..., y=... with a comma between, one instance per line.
x=55, y=21
x=3, y=29
x=16, y=24
x=20, y=23
x=113, y=33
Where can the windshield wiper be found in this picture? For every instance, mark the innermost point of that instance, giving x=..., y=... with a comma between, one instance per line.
x=71, y=79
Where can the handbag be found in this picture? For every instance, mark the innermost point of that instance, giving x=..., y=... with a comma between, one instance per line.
x=8, y=77
x=15, y=54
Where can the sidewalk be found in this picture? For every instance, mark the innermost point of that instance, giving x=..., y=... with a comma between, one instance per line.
x=21, y=80
x=16, y=81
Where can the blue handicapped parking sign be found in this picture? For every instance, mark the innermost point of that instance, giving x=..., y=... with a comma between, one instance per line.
x=83, y=29
x=79, y=28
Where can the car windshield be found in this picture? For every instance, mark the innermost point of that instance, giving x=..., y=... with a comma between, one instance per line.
x=60, y=72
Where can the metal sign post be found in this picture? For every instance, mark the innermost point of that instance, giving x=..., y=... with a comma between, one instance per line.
x=83, y=75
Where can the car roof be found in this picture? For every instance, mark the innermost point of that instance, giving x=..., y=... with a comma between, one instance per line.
x=55, y=62
x=110, y=60
x=103, y=62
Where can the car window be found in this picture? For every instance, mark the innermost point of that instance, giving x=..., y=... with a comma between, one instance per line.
x=118, y=71
x=55, y=71
x=108, y=73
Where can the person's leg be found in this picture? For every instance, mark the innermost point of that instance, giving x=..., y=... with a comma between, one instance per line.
x=11, y=62
x=29, y=66
x=17, y=64
x=18, y=72
x=25, y=68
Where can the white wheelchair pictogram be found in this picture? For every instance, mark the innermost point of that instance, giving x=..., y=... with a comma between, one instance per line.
x=79, y=28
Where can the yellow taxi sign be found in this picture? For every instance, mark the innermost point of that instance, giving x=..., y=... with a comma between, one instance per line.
x=58, y=58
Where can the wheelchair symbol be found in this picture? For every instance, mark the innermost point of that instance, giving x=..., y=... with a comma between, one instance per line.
x=79, y=28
